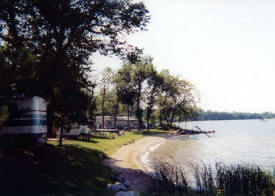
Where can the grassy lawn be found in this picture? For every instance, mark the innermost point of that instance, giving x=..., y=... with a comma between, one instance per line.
x=74, y=169
x=106, y=145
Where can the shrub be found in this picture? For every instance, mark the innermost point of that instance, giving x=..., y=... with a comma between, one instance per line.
x=171, y=179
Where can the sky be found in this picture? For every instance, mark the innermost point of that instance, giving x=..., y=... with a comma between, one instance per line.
x=226, y=48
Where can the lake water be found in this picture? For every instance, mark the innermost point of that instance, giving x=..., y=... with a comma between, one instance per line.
x=235, y=141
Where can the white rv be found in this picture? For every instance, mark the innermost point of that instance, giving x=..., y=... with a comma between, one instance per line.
x=75, y=131
x=24, y=118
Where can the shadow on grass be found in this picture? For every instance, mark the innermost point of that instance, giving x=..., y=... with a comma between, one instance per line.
x=103, y=137
x=49, y=170
x=86, y=141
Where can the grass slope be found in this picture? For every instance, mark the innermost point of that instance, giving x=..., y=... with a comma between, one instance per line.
x=74, y=169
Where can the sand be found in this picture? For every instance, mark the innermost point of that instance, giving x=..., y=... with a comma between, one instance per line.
x=133, y=161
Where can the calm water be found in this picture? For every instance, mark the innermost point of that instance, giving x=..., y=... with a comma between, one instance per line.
x=235, y=141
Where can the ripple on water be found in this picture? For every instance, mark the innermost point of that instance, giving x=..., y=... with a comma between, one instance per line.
x=246, y=141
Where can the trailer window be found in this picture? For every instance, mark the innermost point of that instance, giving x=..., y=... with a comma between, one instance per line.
x=4, y=112
x=9, y=111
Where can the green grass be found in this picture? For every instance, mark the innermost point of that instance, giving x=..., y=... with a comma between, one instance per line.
x=105, y=144
x=74, y=169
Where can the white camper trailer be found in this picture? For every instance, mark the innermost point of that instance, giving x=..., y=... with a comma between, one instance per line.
x=75, y=131
x=24, y=118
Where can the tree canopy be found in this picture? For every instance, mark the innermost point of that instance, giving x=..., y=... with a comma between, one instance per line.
x=61, y=35
x=178, y=98
x=46, y=45
x=151, y=94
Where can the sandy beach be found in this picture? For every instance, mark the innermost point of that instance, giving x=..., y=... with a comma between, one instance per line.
x=132, y=161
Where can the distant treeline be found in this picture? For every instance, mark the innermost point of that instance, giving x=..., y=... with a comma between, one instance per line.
x=213, y=115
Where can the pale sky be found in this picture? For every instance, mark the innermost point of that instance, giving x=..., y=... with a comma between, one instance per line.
x=226, y=48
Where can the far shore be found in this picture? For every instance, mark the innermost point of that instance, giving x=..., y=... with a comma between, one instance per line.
x=132, y=161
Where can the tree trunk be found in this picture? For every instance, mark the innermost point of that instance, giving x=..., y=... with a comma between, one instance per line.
x=102, y=106
x=138, y=114
x=153, y=121
x=115, y=113
x=147, y=126
x=173, y=116
x=160, y=120
x=138, y=107
x=61, y=133
x=128, y=117
x=148, y=115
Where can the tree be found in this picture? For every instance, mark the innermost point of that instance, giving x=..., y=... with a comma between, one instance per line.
x=105, y=83
x=69, y=107
x=116, y=102
x=111, y=104
x=178, y=98
x=125, y=88
x=141, y=70
x=155, y=82
x=61, y=35
x=14, y=79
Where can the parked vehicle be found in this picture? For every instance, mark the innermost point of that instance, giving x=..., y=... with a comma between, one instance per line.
x=75, y=131
x=24, y=119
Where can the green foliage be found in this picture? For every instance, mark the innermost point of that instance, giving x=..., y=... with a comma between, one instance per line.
x=15, y=79
x=177, y=99
x=109, y=98
x=140, y=73
x=155, y=83
x=125, y=87
x=50, y=42
x=45, y=47
x=151, y=94
x=109, y=102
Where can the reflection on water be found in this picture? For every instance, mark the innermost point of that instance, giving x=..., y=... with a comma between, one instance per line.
x=235, y=141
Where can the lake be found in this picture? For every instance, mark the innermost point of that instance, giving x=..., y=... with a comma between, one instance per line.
x=235, y=141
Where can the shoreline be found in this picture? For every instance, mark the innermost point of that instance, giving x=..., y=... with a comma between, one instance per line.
x=133, y=161
x=145, y=158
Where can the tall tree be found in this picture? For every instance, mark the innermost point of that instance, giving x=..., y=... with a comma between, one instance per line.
x=105, y=83
x=141, y=71
x=178, y=98
x=155, y=82
x=116, y=105
x=61, y=35
x=125, y=88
